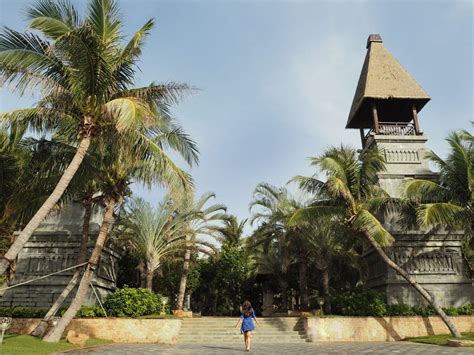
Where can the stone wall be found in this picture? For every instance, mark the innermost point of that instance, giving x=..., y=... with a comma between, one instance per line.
x=119, y=330
x=53, y=247
x=380, y=328
x=434, y=260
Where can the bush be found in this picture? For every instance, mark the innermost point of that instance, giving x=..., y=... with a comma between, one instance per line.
x=90, y=312
x=132, y=302
x=23, y=312
x=359, y=302
x=364, y=302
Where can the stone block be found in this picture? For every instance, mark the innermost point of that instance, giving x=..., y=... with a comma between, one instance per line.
x=77, y=339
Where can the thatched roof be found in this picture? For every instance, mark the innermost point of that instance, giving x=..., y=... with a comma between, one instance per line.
x=383, y=78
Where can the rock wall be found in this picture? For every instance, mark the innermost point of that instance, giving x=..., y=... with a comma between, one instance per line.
x=119, y=330
x=380, y=328
x=55, y=246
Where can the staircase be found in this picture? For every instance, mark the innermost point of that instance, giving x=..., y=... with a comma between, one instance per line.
x=208, y=330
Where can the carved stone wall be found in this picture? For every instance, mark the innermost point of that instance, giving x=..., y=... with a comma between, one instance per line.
x=434, y=260
x=54, y=246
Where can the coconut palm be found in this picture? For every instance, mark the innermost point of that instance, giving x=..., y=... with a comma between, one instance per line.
x=201, y=220
x=153, y=233
x=449, y=201
x=346, y=197
x=121, y=168
x=85, y=75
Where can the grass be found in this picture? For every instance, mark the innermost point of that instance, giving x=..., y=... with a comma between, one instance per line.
x=25, y=344
x=440, y=339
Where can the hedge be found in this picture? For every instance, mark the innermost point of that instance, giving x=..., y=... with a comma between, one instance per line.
x=366, y=302
x=125, y=302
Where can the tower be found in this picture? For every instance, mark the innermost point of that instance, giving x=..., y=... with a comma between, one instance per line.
x=385, y=110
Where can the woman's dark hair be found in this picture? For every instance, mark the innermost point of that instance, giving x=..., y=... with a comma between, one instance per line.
x=247, y=309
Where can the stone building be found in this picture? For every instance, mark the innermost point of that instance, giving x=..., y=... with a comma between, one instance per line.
x=385, y=110
x=53, y=247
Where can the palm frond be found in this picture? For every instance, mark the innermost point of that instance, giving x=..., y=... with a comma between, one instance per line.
x=366, y=222
x=53, y=18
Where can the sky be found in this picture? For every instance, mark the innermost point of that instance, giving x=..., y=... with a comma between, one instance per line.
x=277, y=78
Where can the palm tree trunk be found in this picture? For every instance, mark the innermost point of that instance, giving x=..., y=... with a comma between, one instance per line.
x=149, y=276
x=304, y=297
x=55, y=334
x=430, y=298
x=41, y=328
x=184, y=279
x=44, y=210
x=327, y=299
x=43, y=325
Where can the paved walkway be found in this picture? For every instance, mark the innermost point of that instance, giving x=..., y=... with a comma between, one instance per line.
x=307, y=348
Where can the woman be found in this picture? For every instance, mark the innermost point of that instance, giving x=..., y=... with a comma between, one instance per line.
x=247, y=317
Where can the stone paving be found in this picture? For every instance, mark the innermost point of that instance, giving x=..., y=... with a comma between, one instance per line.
x=305, y=348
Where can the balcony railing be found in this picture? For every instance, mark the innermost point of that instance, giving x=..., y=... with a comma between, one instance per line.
x=393, y=129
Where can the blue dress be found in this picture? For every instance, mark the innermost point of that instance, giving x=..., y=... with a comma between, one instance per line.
x=247, y=322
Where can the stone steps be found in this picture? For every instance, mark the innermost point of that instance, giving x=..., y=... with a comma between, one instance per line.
x=222, y=330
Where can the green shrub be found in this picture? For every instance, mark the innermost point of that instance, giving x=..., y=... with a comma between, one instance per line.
x=359, y=302
x=23, y=312
x=132, y=302
x=400, y=309
x=467, y=309
x=363, y=302
x=90, y=312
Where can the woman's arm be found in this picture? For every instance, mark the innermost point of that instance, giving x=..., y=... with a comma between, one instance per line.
x=240, y=320
x=255, y=318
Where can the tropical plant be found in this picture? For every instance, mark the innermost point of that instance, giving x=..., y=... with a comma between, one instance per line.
x=201, y=220
x=231, y=232
x=449, y=201
x=273, y=207
x=121, y=168
x=152, y=233
x=347, y=197
x=86, y=77
x=327, y=245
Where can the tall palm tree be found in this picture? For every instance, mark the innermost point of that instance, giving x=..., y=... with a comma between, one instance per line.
x=201, y=220
x=122, y=168
x=273, y=207
x=153, y=233
x=85, y=75
x=347, y=195
x=327, y=246
x=449, y=201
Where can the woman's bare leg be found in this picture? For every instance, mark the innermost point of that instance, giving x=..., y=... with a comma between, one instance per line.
x=246, y=338
x=249, y=335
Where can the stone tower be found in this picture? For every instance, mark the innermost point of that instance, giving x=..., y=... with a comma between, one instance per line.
x=385, y=110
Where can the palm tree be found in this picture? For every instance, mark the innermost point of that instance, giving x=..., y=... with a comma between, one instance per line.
x=201, y=220
x=347, y=196
x=152, y=233
x=121, y=168
x=449, y=201
x=327, y=246
x=86, y=76
x=274, y=207
x=231, y=232
x=274, y=259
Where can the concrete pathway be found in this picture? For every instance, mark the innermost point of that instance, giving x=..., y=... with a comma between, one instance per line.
x=277, y=349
